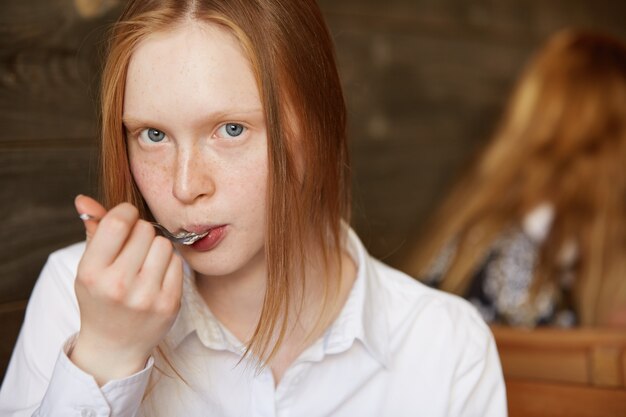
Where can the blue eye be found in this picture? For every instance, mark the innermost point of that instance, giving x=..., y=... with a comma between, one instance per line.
x=152, y=135
x=231, y=130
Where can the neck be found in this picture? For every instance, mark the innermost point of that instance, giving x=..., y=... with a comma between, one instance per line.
x=314, y=317
x=237, y=302
x=236, y=299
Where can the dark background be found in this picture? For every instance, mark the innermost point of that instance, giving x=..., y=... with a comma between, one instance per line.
x=425, y=82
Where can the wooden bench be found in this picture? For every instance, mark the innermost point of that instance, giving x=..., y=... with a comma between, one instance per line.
x=557, y=372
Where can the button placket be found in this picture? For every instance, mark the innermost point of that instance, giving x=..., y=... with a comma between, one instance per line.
x=265, y=394
x=287, y=386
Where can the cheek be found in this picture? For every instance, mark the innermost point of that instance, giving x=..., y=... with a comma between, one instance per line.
x=257, y=177
x=149, y=177
x=246, y=173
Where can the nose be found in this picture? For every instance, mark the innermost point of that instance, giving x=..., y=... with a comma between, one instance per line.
x=193, y=179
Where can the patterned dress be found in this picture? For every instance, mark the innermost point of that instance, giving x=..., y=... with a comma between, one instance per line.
x=500, y=287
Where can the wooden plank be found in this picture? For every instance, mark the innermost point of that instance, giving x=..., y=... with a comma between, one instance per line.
x=40, y=21
x=46, y=95
x=37, y=189
x=551, y=365
x=50, y=23
x=606, y=366
x=49, y=70
x=510, y=21
x=11, y=316
x=550, y=337
x=533, y=399
x=583, y=355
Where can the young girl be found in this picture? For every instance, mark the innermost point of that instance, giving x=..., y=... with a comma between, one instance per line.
x=535, y=232
x=226, y=118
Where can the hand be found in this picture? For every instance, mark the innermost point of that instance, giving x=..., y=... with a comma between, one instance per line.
x=128, y=286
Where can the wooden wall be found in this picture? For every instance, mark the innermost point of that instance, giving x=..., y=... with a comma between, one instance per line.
x=425, y=82
x=49, y=65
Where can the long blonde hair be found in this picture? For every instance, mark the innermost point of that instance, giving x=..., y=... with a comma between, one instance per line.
x=292, y=56
x=562, y=140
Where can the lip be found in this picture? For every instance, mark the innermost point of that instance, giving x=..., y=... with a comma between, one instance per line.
x=214, y=237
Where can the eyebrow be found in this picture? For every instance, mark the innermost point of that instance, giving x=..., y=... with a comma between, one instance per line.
x=131, y=120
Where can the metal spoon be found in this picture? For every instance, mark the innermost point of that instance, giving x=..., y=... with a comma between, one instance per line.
x=184, y=237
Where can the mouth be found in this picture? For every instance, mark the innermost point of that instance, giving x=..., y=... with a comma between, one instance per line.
x=214, y=236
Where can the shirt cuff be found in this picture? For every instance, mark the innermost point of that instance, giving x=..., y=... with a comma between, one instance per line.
x=73, y=392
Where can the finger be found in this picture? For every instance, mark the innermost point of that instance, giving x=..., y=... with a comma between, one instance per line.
x=111, y=235
x=87, y=205
x=156, y=264
x=172, y=287
x=136, y=248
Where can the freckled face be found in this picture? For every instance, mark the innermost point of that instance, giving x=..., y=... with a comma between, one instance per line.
x=197, y=144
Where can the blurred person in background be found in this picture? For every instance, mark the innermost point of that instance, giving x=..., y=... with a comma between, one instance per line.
x=535, y=232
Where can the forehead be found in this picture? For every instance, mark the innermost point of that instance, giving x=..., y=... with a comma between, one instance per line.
x=193, y=66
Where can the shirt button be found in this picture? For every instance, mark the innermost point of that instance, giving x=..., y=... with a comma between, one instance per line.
x=87, y=412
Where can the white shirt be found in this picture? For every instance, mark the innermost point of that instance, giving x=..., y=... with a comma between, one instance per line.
x=397, y=348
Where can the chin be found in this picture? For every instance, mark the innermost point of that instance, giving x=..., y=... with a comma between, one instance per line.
x=221, y=265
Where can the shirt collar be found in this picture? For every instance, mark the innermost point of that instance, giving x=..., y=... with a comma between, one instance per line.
x=363, y=316
x=195, y=316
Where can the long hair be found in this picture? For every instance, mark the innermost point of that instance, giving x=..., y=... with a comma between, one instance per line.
x=292, y=57
x=562, y=140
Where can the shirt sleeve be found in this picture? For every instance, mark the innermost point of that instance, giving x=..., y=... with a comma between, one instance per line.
x=73, y=392
x=479, y=388
x=41, y=380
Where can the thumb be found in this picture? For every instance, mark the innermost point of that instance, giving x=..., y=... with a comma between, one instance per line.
x=87, y=205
